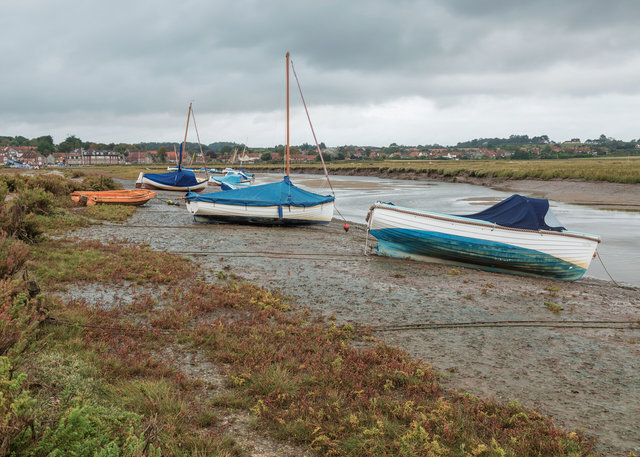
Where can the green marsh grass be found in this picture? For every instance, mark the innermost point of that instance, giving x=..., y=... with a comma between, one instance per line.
x=61, y=261
x=112, y=213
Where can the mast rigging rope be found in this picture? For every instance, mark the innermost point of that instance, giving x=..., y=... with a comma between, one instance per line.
x=324, y=166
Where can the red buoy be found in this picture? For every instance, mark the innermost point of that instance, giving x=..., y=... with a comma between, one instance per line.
x=346, y=227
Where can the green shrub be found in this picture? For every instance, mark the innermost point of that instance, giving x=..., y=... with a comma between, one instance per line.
x=37, y=201
x=4, y=191
x=13, y=254
x=16, y=405
x=86, y=430
x=20, y=315
x=99, y=182
x=55, y=184
x=14, y=183
x=17, y=223
x=74, y=173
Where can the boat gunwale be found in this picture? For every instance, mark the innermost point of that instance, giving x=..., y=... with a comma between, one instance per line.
x=476, y=222
x=115, y=193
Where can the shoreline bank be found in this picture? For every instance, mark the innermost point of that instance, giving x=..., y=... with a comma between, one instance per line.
x=597, y=194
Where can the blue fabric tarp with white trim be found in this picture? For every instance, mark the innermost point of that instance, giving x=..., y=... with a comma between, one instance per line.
x=230, y=179
x=282, y=193
x=178, y=178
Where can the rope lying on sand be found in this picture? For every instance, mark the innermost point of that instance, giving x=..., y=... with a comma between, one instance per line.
x=320, y=256
x=632, y=325
x=615, y=325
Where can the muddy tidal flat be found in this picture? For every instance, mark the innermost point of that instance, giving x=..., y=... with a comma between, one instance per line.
x=584, y=378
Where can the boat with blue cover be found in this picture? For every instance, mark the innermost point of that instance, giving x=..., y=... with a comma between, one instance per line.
x=181, y=179
x=280, y=203
x=232, y=179
x=519, y=235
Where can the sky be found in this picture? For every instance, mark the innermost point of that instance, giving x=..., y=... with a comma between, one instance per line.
x=373, y=72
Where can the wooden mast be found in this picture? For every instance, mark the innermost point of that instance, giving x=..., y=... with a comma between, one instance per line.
x=184, y=143
x=287, y=152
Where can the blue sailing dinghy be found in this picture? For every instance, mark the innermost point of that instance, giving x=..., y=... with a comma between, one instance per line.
x=182, y=179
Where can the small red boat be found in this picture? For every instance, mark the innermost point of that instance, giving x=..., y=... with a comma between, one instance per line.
x=113, y=197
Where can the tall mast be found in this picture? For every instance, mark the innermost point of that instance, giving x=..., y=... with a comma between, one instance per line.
x=287, y=113
x=184, y=143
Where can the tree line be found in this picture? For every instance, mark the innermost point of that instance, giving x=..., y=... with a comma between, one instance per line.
x=519, y=147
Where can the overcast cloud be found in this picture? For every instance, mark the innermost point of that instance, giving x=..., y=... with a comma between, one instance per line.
x=373, y=72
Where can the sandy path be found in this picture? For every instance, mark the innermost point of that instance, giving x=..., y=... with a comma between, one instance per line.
x=584, y=378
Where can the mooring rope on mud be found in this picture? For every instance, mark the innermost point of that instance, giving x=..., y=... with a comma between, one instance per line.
x=320, y=257
x=612, y=325
x=624, y=325
x=323, y=255
x=198, y=225
x=609, y=274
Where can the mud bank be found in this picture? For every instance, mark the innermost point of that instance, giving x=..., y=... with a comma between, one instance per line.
x=597, y=194
x=584, y=378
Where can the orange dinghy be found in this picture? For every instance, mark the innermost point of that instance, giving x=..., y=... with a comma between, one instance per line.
x=113, y=197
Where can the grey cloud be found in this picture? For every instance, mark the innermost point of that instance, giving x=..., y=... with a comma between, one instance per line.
x=150, y=57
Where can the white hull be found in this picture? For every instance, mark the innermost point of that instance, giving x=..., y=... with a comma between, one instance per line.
x=293, y=215
x=146, y=183
x=421, y=235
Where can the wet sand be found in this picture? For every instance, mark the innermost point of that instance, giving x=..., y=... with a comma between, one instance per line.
x=584, y=378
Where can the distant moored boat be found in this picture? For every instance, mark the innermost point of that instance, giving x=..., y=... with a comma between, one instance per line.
x=181, y=179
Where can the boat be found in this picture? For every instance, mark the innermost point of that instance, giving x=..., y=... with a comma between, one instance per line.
x=135, y=197
x=181, y=180
x=519, y=235
x=232, y=178
x=244, y=174
x=279, y=203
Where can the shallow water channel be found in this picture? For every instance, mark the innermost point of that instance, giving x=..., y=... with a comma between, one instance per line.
x=619, y=249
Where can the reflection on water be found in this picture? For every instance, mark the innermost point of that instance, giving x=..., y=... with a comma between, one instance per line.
x=619, y=250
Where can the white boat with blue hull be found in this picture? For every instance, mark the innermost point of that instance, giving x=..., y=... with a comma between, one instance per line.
x=552, y=252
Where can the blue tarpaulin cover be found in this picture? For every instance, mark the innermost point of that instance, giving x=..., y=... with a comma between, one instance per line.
x=282, y=193
x=520, y=212
x=230, y=179
x=178, y=178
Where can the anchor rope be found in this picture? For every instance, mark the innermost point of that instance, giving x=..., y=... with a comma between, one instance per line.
x=608, y=274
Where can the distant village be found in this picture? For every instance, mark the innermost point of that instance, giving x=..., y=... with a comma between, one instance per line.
x=513, y=148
